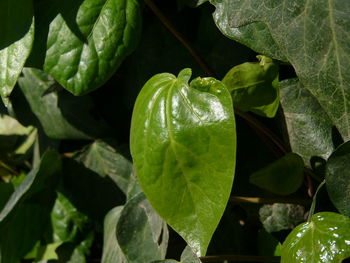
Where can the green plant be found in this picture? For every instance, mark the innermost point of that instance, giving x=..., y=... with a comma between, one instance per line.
x=247, y=163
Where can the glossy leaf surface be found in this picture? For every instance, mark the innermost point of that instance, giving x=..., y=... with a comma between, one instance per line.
x=282, y=177
x=320, y=60
x=254, y=86
x=62, y=115
x=308, y=125
x=338, y=178
x=183, y=144
x=17, y=36
x=141, y=233
x=81, y=43
x=326, y=239
x=111, y=249
x=26, y=214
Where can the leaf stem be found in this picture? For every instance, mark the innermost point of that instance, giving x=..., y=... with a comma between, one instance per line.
x=254, y=123
x=269, y=200
x=313, y=205
x=240, y=258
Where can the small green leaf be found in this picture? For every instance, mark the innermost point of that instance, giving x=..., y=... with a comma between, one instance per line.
x=254, y=86
x=103, y=159
x=310, y=34
x=282, y=177
x=111, y=249
x=82, y=43
x=17, y=36
x=309, y=128
x=326, y=238
x=67, y=222
x=26, y=214
x=62, y=115
x=279, y=217
x=338, y=178
x=142, y=234
x=183, y=143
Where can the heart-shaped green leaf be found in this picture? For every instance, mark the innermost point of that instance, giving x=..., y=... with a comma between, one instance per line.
x=183, y=142
x=254, y=86
x=82, y=43
x=17, y=36
x=338, y=178
x=313, y=35
x=325, y=239
x=282, y=177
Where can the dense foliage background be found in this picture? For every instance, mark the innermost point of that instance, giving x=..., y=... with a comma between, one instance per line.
x=70, y=73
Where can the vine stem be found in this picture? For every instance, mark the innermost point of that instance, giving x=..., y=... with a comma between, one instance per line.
x=240, y=258
x=313, y=205
x=253, y=122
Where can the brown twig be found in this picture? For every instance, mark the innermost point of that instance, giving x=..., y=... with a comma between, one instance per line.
x=166, y=22
x=269, y=200
x=259, y=127
x=241, y=258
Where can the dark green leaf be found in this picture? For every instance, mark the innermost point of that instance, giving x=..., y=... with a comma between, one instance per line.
x=76, y=252
x=6, y=189
x=188, y=256
x=104, y=160
x=67, y=221
x=96, y=196
x=142, y=234
x=81, y=43
x=26, y=214
x=338, y=178
x=282, y=177
x=17, y=35
x=309, y=128
x=254, y=86
x=268, y=245
x=325, y=239
x=321, y=60
x=111, y=249
x=62, y=115
x=183, y=143
x=278, y=217
x=166, y=261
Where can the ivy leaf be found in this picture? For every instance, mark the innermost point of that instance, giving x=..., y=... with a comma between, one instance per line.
x=325, y=238
x=282, y=177
x=254, y=86
x=279, y=217
x=183, y=144
x=67, y=222
x=61, y=115
x=309, y=128
x=26, y=214
x=17, y=36
x=82, y=43
x=111, y=249
x=188, y=256
x=320, y=60
x=338, y=178
x=103, y=159
x=142, y=234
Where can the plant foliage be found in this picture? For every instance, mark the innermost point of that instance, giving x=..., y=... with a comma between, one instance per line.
x=110, y=151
